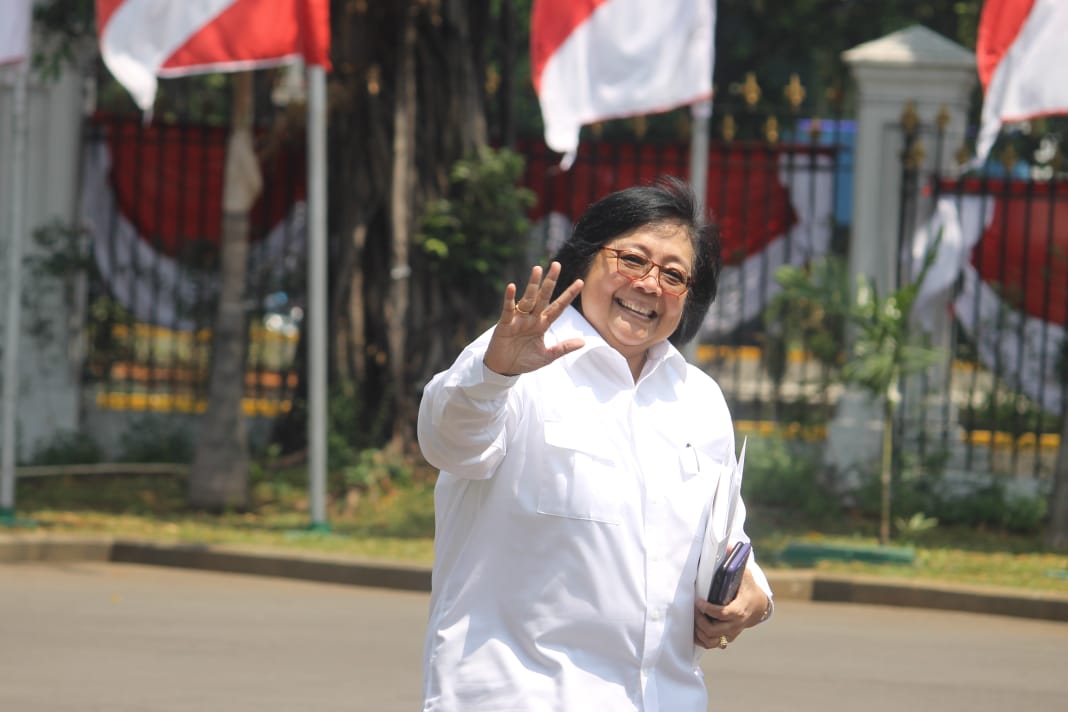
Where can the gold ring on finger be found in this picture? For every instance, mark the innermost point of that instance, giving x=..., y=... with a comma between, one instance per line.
x=523, y=311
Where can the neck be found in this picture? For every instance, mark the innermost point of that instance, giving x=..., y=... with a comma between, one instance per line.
x=637, y=363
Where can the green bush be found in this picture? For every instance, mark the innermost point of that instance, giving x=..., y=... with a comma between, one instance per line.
x=68, y=448
x=787, y=475
x=156, y=439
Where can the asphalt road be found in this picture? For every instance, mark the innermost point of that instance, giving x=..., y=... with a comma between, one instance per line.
x=122, y=638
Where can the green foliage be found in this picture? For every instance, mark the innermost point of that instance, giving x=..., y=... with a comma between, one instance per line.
x=915, y=526
x=993, y=507
x=156, y=439
x=474, y=236
x=68, y=447
x=787, y=475
x=375, y=468
x=64, y=26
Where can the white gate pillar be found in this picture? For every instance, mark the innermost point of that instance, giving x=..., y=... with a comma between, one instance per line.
x=50, y=360
x=912, y=66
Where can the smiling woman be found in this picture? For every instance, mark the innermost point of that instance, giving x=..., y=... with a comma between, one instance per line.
x=579, y=455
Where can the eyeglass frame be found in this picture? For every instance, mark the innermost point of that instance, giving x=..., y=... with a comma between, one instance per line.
x=618, y=252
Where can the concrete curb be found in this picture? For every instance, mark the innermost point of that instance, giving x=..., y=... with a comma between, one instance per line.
x=788, y=584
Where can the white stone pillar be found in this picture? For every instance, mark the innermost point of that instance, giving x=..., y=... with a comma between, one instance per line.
x=912, y=66
x=50, y=358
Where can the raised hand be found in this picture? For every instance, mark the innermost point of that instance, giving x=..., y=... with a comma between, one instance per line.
x=518, y=343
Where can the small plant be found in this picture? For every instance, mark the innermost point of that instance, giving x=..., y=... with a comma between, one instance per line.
x=915, y=525
x=882, y=348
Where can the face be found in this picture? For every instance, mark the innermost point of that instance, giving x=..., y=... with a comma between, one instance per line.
x=634, y=315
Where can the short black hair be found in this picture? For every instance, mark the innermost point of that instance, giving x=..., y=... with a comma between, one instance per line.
x=666, y=201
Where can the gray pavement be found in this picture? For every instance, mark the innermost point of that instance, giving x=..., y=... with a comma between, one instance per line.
x=100, y=636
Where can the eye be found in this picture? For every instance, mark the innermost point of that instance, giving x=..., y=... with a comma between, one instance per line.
x=633, y=260
x=673, y=277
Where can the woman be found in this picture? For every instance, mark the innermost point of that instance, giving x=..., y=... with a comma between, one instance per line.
x=579, y=455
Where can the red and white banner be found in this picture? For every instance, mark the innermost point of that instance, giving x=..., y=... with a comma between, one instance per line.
x=593, y=60
x=144, y=39
x=152, y=205
x=1021, y=51
x=1009, y=249
x=774, y=207
x=16, y=18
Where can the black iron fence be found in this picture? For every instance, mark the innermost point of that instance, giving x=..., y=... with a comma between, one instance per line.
x=996, y=300
x=151, y=205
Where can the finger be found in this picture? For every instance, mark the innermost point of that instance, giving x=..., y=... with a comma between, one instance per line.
x=530, y=293
x=508, y=305
x=563, y=348
x=566, y=297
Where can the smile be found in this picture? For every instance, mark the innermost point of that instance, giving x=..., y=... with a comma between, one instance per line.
x=636, y=308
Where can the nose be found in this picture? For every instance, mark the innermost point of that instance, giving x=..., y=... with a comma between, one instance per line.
x=651, y=281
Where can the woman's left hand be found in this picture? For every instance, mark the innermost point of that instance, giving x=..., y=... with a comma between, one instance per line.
x=730, y=620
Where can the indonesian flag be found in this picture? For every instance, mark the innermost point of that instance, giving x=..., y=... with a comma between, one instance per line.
x=1021, y=50
x=15, y=20
x=144, y=39
x=599, y=59
x=1006, y=246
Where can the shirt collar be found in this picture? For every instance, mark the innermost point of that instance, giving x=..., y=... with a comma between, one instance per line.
x=572, y=324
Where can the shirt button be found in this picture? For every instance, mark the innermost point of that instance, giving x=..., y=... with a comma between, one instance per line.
x=657, y=614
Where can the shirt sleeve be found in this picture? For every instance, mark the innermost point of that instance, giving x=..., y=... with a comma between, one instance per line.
x=761, y=579
x=463, y=414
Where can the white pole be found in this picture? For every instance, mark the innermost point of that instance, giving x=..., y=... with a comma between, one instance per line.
x=701, y=113
x=14, y=294
x=317, y=276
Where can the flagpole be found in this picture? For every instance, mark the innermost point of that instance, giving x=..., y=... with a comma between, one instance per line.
x=9, y=444
x=700, y=112
x=317, y=277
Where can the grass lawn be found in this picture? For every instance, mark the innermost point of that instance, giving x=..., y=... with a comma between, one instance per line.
x=397, y=523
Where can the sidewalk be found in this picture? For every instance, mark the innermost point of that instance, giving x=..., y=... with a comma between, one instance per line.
x=798, y=584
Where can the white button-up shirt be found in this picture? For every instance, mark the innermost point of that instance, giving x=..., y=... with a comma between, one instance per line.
x=570, y=511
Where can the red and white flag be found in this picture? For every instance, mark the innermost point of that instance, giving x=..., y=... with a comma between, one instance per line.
x=1000, y=266
x=1021, y=50
x=599, y=59
x=144, y=39
x=15, y=21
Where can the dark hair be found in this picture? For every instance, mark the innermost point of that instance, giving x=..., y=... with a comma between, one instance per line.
x=667, y=201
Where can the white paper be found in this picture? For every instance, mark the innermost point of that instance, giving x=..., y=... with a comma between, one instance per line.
x=720, y=523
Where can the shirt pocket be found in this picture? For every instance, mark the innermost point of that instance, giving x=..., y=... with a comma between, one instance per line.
x=579, y=477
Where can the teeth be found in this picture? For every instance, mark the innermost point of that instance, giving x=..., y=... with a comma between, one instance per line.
x=636, y=308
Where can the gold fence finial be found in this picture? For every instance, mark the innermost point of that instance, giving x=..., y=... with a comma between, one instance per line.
x=915, y=156
x=771, y=129
x=794, y=92
x=910, y=120
x=963, y=154
x=942, y=120
x=727, y=128
x=750, y=90
x=640, y=125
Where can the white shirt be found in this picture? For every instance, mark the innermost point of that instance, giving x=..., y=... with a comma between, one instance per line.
x=570, y=511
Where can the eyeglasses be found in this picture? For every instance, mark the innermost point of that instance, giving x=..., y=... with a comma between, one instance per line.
x=635, y=266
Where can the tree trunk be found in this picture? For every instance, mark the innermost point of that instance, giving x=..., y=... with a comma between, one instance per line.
x=219, y=477
x=1057, y=533
x=393, y=60
x=400, y=214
